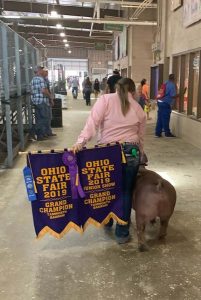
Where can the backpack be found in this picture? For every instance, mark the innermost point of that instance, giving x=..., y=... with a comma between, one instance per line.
x=161, y=92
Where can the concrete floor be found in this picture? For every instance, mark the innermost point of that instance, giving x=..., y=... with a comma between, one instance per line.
x=93, y=266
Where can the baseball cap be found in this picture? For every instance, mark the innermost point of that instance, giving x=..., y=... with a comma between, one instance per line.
x=116, y=72
x=38, y=68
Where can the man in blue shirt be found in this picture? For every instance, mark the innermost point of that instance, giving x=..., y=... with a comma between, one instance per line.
x=165, y=107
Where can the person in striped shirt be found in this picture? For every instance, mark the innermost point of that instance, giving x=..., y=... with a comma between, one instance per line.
x=40, y=96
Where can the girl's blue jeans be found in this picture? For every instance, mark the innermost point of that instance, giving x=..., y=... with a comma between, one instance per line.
x=129, y=173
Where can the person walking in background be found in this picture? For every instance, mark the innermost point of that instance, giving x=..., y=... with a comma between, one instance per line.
x=83, y=84
x=103, y=85
x=112, y=81
x=145, y=96
x=75, y=87
x=96, y=87
x=68, y=83
x=40, y=99
x=119, y=118
x=140, y=97
x=87, y=90
x=50, y=104
x=167, y=96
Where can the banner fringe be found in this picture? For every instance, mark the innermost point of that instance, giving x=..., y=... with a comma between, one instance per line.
x=77, y=228
x=70, y=226
x=91, y=221
x=47, y=151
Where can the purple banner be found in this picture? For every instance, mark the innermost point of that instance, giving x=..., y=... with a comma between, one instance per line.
x=100, y=172
x=54, y=211
x=99, y=176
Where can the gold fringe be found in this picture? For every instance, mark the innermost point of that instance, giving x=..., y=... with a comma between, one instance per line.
x=72, y=225
x=45, y=151
x=47, y=229
x=77, y=179
x=123, y=158
x=105, y=221
x=35, y=189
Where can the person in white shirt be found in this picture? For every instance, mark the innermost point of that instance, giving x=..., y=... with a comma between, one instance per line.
x=75, y=86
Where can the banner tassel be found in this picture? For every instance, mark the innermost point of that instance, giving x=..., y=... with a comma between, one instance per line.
x=123, y=158
x=77, y=179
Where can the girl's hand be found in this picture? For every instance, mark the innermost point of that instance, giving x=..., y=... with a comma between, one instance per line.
x=76, y=148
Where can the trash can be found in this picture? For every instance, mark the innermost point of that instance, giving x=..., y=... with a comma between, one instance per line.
x=57, y=120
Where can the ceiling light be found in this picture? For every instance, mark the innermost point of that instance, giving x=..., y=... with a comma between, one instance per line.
x=69, y=51
x=65, y=41
x=11, y=17
x=62, y=34
x=66, y=45
x=54, y=14
x=59, y=26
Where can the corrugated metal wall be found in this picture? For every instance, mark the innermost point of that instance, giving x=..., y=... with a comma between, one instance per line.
x=16, y=49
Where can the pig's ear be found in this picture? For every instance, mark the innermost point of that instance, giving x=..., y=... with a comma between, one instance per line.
x=144, y=160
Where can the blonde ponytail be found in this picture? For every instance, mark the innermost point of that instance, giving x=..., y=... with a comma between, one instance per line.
x=124, y=86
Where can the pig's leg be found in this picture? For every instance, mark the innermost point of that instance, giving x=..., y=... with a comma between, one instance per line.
x=163, y=228
x=141, y=237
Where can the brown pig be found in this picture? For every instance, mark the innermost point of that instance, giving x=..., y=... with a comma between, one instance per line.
x=153, y=197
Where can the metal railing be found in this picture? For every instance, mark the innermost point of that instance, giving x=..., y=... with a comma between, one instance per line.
x=17, y=60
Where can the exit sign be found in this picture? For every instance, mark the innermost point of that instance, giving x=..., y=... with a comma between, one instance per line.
x=100, y=46
x=114, y=27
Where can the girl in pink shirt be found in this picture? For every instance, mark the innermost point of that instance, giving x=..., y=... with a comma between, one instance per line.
x=119, y=118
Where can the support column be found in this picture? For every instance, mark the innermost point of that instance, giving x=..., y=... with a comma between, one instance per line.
x=5, y=63
x=17, y=62
x=181, y=87
x=33, y=62
x=26, y=60
x=7, y=97
x=190, y=85
x=199, y=93
x=19, y=93
x=30, y=113
x=9, y=142
x=37, y=57
x=20, y=123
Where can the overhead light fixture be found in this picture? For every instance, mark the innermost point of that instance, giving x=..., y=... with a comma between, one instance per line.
x=54, y=14
x=69, y=51
x=129, y=6
x=65, y=41
x=62, y=34
x=10, y=17
x=59, y=26
x=67, y=45
x=123, y=22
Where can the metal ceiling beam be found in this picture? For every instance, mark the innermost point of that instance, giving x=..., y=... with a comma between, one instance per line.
x=47, y=42
x=121, y=3
x=70, y=39
x=31, y=29
x=41, y=8
x=72, y=46
x=141, y=8
x=120, y=21
x=64, y=23
x=57, y=46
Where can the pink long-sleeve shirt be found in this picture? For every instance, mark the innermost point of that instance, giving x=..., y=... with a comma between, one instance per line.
x=106, y=117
